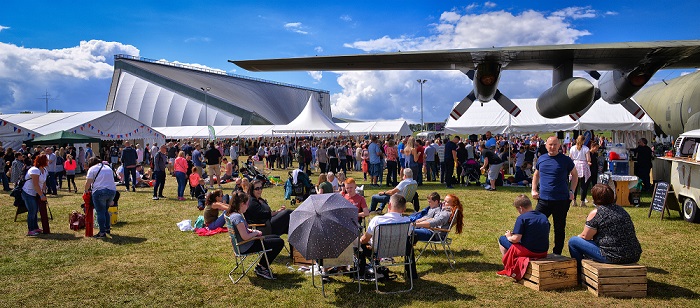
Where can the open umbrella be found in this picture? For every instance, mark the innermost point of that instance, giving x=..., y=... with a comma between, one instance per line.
x=323, y=226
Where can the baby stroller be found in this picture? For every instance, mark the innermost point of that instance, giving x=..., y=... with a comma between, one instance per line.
x=471, y=172
x=301, y=190
x=254, y=173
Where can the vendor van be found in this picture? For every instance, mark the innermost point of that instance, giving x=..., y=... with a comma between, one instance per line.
x=685, y=173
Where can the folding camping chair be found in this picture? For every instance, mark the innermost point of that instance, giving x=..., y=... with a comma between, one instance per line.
x=440, y=237
x=389, y=242
x=240, y=257
x=348, y=257
x=411, y=194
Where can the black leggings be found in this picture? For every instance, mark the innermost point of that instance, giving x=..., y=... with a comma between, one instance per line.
x=583, y=185
x=71, y=178
x=273, y=242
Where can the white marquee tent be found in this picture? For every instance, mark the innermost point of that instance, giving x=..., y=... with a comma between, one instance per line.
x=106, y=125
x=310, y=120
x=398, y=127
x=491, y=117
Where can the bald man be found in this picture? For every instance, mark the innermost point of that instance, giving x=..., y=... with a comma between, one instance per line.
x=554, y=196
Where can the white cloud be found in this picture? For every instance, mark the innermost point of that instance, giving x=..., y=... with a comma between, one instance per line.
x=346, y=18
x=296, y=27
x=3, y=28
x=318, y=49
x=611, y=13
x=471, y=6
x=372, y=95
x=576, y=12
x=316, y=75
x=74, y=73
x=489, y=4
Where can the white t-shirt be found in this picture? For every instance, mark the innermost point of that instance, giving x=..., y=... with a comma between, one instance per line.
x=577, y=154
x=387, y=218
x=104, y=180
x=29, y=185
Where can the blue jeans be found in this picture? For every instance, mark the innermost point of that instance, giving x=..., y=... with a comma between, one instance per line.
x=431, y=170
x=32, y=209
x=580, y=249
x=381, y=199
x=5, y=181
x=181, y=178
x=101, y=199
x=218, y=223
x=422, y=234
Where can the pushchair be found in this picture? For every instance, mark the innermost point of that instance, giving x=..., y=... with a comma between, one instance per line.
x=471, y=172
x=301, y=190
x=254, y=173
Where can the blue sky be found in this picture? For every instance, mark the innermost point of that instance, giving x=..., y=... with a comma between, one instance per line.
x=67, y=49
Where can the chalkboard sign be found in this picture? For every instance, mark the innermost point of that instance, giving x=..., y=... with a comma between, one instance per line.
x=658, y=199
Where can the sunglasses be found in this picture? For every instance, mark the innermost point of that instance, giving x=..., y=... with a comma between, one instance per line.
x=258, y=188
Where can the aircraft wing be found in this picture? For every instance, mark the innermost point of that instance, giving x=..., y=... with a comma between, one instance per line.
x=608, y=56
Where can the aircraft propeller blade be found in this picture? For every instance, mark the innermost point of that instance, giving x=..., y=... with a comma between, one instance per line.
x=463, y=105
x=506, y=103
x=633, y=108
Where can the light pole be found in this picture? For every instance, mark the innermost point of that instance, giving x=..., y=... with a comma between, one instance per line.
x=421, y=81
x=206, y=106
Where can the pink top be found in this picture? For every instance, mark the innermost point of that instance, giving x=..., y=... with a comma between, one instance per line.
x=181, y=165
x=70, y=165
x=194, y=179
x=391, y=153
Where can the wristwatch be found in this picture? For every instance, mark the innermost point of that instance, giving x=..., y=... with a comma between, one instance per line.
x=571, y=191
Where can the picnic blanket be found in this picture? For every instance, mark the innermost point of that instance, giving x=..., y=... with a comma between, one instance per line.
x=207, y=232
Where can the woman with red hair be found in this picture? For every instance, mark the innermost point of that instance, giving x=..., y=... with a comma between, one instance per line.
x=440, y=217
x=34, y=196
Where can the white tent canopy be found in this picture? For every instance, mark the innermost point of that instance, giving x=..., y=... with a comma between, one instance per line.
x=253, y=131
x=491, y=117
x=310, y=120
x=106, y=125
x=12, y=135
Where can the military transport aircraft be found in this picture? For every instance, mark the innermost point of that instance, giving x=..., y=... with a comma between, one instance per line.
x=629, y=67
x=674, y=104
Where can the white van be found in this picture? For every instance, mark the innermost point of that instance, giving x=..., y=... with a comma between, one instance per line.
x=685, y=173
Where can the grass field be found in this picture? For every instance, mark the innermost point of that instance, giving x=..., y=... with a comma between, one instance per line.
x=149, y=262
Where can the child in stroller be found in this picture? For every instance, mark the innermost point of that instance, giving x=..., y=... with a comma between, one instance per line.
x=471, y=172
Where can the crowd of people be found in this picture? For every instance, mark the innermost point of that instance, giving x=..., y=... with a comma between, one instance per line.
x=559, y=175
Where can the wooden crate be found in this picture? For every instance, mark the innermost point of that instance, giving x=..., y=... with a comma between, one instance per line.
x=298, y=258
x=550, y=273
x=615, y=280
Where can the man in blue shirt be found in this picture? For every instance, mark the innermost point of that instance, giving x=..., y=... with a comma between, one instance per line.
x=375, y=159
x=554, y=196
x=490, y=141
x=197, y=158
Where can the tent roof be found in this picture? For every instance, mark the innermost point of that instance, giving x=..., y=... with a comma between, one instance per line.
x=9, y=130
x=62, y=137
x=491, y=117
x=311, y=119
x=105, y=125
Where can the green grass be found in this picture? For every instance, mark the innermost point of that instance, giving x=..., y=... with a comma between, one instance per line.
x=148, y=261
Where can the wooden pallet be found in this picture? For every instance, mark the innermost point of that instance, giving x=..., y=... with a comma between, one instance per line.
x=615, y=280
x=551, y=273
